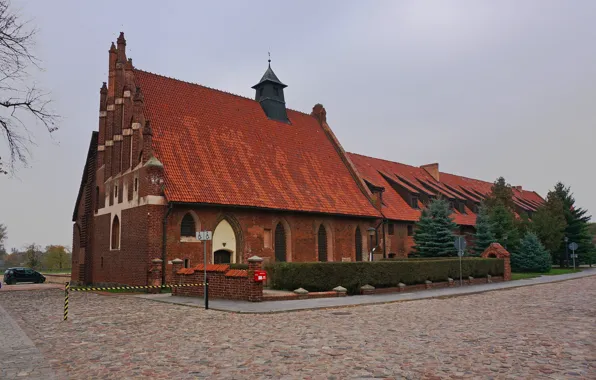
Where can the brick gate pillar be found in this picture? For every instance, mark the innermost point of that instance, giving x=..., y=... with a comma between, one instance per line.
x=255, y=288
x=155, y=275
x=496, y=250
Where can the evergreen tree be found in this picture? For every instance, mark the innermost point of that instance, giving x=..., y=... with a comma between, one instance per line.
x=504, y=227
x=531, y=256
x=484, y=234
x=577, y=229
x=500, y=193
x=549, y=224
x=421, y=236
x=434, y=236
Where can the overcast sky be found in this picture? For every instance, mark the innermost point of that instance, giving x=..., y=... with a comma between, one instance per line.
x=485, y=88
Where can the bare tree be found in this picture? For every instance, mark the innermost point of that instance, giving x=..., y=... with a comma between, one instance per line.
x=17, y=99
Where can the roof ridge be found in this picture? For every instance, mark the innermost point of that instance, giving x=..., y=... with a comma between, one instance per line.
x=385, y=160
x=210, y=88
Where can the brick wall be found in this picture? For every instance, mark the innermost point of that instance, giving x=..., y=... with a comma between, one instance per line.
x=250, y=225
x=223, y=283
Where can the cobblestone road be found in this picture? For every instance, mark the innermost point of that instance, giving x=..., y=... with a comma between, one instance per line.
x=545, y=331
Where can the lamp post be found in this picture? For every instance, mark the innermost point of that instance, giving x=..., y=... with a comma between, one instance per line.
x=371, y=233
x=566, y=239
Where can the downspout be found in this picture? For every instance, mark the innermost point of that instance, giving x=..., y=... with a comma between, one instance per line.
x=164, y=256
x=384, y=241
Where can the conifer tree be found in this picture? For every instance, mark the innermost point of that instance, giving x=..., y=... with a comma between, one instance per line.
x=549, y=223
x=484, y=234
x=504, y=227
x=421, y=236
x=434, y=236
x=577, y=224
x=531, y=256
x=501, y=213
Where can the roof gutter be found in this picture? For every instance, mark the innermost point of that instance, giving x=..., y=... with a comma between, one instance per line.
x=164, y=256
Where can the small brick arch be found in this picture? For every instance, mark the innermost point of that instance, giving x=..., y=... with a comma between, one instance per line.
x=496, y=250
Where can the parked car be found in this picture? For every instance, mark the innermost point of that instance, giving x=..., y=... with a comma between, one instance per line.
x=20, y=274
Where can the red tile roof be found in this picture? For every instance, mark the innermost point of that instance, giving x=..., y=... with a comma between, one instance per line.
x=237, y=273
x=395, y=207
x=220, y=148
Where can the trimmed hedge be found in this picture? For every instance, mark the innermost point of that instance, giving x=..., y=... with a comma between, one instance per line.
x=318, y=277
x=238, y=266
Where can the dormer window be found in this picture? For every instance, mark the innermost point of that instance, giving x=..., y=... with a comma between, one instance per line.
x=276, y=89
x=461, y=207
x=260, y=92
x=414, y=202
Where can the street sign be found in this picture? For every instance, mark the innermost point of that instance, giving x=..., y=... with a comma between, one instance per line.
x=460, y=243
x=573, y=246
x=574, y=256
x=460, y=253
x=204, y=235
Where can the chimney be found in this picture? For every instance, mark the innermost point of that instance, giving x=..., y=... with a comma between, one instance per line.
x=319, y=113
x=433, y=170
x=518, y=188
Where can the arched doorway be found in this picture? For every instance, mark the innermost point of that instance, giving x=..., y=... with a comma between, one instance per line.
x=222, y=256
x=280, y=243
x=322, y=243
x=358, y=240
x=224, y=240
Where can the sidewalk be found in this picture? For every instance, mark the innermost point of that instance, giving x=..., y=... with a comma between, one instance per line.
x=321, y=303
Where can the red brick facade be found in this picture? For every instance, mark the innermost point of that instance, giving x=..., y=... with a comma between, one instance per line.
x=218, y=157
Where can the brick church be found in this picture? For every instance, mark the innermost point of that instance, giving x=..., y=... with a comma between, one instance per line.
x=170, y=158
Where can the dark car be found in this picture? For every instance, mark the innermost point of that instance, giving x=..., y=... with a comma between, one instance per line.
x=14, y=275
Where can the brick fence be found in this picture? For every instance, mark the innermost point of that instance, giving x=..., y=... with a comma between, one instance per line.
x=226, y=283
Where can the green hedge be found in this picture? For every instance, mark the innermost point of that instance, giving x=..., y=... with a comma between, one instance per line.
x=238, y=266
x=316, y=277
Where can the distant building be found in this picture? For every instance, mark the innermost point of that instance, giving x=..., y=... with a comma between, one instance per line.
x=171, y=158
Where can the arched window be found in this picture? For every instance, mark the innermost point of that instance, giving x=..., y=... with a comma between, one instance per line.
x=187, y=227
x=116, y=233
x=358, y=239
x=280, y=243
x=322, y=240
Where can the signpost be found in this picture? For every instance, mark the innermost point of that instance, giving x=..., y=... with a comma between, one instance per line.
x=204, y=236
x=573, y=247
x=460, y=245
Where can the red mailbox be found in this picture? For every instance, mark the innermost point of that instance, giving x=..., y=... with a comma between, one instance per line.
x=260, y=275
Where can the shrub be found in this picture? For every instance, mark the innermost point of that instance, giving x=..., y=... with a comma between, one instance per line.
x=531, y=256
x=238, y=266
x=317, y=277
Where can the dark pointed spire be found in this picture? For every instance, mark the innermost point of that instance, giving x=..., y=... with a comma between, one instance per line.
x=269, y=92
x=104, y=88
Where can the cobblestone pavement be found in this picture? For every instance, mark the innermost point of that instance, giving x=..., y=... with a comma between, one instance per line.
x=19, y=358
x=538, y=332
x=27, y=286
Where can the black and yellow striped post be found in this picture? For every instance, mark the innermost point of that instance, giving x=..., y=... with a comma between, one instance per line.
x=66, y=289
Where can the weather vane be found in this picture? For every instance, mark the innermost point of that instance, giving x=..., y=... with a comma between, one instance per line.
x=269, y=53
